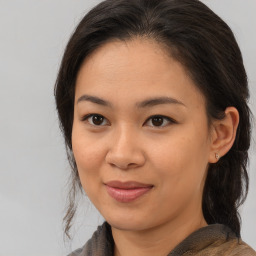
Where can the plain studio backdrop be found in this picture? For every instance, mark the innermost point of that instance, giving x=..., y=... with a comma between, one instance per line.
x=33, y=167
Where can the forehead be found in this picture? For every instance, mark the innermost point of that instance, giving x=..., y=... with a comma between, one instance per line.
x=135, y=68
x=133, y=58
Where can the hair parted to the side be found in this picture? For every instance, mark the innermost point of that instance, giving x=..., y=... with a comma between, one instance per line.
x=197, y=38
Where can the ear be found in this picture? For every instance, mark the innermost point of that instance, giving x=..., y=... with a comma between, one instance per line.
x=223, y=134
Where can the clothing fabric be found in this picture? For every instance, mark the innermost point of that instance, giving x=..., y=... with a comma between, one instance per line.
x=212, y=240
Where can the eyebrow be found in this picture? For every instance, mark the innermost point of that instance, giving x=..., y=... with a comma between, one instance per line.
x=95, y=100
x=144, y=104
x=158, y=101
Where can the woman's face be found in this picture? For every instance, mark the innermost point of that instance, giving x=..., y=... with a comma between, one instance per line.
x=140, y=136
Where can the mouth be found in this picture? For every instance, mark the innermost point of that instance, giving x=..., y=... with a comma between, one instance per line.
x=125, y=192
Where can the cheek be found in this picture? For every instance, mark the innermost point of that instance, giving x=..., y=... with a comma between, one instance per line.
x=89, y=157
x=180, y=171
x=182, y=160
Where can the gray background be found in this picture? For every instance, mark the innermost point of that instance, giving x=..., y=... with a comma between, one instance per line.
x=34, y=169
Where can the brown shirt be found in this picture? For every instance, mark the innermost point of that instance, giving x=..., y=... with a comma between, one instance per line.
x=211, y=240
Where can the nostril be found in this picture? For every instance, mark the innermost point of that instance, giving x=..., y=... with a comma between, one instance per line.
x=124, y=162
x=125, y=152
x=122, y=166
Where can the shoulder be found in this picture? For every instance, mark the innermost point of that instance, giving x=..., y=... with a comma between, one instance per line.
x=76, y=252
x=227, y=243
x=234, y=247
x=101, y=243
x=213, y=240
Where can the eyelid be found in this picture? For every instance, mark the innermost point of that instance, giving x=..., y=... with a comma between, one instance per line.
x=169, y=119
x=86, y=117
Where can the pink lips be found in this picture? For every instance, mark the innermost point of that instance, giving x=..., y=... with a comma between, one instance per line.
x=127, y=191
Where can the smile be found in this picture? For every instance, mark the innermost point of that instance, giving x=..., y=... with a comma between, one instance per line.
x=125, y=192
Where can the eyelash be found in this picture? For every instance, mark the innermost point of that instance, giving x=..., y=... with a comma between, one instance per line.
x=165, y=118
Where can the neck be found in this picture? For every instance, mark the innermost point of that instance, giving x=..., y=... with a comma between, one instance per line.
x=159, y=240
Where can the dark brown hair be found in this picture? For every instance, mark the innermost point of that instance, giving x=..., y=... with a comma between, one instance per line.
x=205, y=45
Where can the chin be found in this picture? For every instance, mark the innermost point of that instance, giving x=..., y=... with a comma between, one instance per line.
x=129, y=223
x=127, y=226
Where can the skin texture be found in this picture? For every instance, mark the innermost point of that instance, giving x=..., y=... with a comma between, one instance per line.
x=128, y=146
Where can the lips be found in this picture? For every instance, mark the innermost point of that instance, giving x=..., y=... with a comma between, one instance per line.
x=127, y=191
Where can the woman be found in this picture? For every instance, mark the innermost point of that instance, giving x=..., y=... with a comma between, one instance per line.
x=152, y=101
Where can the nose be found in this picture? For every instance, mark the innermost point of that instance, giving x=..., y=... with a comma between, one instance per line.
x=125, y=151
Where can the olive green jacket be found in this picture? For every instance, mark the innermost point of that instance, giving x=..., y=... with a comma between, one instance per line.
x=212, y=240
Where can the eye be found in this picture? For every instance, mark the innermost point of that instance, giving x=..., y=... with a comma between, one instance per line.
x=159, y=121
x=95, y=119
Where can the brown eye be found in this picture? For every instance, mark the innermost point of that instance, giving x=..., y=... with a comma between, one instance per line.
x=96, y=119
x=157, y=120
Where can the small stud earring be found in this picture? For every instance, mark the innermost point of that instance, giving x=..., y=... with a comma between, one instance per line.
x=217, y=156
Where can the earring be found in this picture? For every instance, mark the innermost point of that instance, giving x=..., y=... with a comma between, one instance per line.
x=217, y=156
